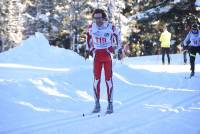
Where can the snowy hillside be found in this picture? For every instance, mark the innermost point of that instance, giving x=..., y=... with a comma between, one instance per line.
x=46, y=90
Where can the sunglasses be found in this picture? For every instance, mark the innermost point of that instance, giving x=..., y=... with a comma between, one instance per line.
x=97, y=18
x=194, y=30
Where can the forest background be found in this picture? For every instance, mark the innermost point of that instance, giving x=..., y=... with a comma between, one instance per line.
x=64, y=22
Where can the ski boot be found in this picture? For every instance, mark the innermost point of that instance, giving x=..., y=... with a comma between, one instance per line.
x=109, y=108
x=97, y=107
x=192, y=74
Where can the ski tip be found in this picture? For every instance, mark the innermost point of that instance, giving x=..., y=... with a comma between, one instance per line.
x=188, y=77
x=85, y=115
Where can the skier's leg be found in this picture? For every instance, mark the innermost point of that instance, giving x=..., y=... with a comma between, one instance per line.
x=192, y=63
x=192, y=60
x=185, y=56
x=108, y=78
x=96, y=84
x=109, y=84
x=97, y=79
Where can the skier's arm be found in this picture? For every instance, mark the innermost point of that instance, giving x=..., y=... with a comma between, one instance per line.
x=88, y=38
x=117, y=35
x=187, y=40
x=87, y=49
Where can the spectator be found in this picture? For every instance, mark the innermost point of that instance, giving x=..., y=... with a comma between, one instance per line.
x=165, y=39
x=1, y=45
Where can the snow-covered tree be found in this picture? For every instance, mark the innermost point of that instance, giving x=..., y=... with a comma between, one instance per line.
x=150, y=16
x=11, y=23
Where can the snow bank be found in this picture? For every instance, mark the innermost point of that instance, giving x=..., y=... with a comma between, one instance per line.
x=36, y=50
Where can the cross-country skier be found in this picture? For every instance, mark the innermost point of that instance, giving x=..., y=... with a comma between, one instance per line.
x=193, y=37
x=99, y=44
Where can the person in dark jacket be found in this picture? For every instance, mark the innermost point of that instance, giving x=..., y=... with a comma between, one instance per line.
x=193, y=41
x=1, y=45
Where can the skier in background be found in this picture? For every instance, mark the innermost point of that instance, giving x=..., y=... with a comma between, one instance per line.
x=165, y=39
x=193, y=37
x=99, y=44
x=189, y=20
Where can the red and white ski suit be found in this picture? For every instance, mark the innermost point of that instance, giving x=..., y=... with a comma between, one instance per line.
x=100, y=42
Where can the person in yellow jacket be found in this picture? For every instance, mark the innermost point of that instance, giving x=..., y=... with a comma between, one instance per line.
x=165, y=39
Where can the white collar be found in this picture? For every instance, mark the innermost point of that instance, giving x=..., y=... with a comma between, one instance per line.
x=103, y=26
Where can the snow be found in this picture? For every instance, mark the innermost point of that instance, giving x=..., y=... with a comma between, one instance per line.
x=43, y=17
x=176, y=1
x=197, y=3
x=46, y=90
x=154, y=11
x=145, y=14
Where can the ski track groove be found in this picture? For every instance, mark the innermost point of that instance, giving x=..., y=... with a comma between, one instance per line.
x=44, y=125
x=139, y=98
x=188, y=100
x=133, y=101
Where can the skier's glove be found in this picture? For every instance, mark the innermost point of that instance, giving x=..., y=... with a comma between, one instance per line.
x=87, y=54
x=120, y=54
